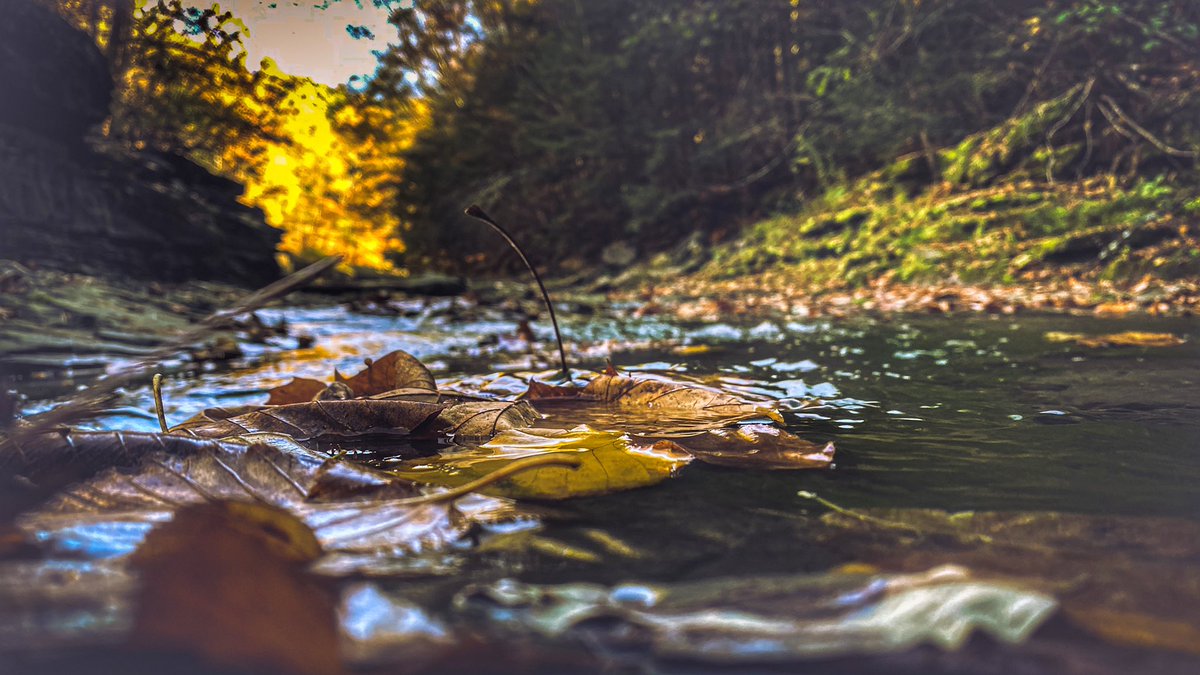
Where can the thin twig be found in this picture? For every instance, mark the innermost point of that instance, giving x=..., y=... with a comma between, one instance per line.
x=92, y=401
x=518, y=466
x=479, y=214
x=1143, y=132
x=156, y=386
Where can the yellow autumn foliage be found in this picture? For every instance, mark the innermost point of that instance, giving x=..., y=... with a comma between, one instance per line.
x=323, y=164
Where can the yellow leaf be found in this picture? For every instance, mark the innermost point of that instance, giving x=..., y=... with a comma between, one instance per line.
x=607, y=462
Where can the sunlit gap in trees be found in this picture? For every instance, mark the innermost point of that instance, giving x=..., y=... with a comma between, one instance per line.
x=321, y=162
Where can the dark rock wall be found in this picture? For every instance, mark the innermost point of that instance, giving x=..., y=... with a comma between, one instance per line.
x=67, y=205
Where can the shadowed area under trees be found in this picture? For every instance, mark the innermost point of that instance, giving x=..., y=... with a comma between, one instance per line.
x=587, y=122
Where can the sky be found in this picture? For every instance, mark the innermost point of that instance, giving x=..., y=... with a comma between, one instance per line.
x=308, y=41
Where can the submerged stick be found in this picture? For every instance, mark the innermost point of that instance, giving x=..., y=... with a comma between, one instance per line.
x=479, y=214
x=91, y=401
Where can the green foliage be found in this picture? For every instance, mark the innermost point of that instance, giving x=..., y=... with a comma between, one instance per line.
x=583, y=123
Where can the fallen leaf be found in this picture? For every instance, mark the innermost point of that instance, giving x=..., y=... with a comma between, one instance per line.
x=299, y=390
x=110, y=514
x=225, y=582
x=397, y=370
x=751, y=620
x=480, y=421
x=757, y=446
x=54, y=459
x=307, y=421
x=1126, y=339
x=607, y=462
x=648, y=407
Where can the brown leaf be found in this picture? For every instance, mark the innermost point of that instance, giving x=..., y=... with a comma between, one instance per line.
x=758, y=446
x=306, y=421
x=655, y=408
x=299, y=390
x=397, y=370
x=54, y=459
x=541, y=390
x=226, y=582
x=110, y=514
x=479, y=421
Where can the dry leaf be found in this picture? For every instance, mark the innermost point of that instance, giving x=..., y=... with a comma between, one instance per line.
x=306, y=421
x=397, y=370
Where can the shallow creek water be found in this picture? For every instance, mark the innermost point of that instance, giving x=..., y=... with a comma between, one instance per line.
x=960, y=413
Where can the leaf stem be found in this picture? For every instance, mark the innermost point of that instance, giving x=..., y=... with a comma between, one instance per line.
x=156, y=386
x=494, y=477
x=479, y=214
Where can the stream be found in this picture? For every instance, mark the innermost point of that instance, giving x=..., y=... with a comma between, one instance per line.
x=966, y=413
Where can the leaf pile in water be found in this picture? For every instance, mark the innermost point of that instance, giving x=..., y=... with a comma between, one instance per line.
x=263, y=473
x=307, y=421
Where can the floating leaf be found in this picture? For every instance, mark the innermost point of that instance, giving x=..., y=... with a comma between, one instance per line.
x=777, y=618
x=649, y=407
x=397, y=370
x=480, y=421
x=758, y=446
x=299, y=390
x=55, y=459
x=306, y=421
x=1126, y=339
x=607, y=462
x=110, y=514
x=225, y=581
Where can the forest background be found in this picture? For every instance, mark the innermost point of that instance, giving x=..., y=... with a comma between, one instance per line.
x=846, y=142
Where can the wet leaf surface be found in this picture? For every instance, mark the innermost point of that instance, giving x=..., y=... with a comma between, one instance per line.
x=757, y=446
x=110, y=514
x=307, y=421
x=659, y=408
x=298, y=390
x=623, y=391
x=480, y=421
x=397, y=370
x=607, y=462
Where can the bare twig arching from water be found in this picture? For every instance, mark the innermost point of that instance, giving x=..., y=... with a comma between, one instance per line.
x=479, y=214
